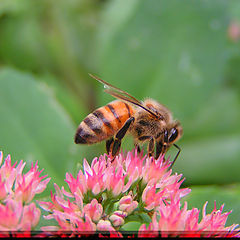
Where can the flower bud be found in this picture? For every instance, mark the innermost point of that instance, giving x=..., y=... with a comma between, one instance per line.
x=127, y=204
x=105, y=225
x=94, y=210
x=117, y=218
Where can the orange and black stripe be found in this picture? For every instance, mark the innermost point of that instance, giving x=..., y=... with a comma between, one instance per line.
x=103, y=122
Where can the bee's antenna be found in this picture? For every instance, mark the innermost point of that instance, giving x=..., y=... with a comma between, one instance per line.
x=179, y=150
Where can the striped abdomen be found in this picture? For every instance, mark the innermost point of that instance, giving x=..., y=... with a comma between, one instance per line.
x=103, y=122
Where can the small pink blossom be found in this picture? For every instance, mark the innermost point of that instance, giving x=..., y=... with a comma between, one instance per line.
x=18, y=186
x=10, y=215
x=15, y=216
x=30, y=216
x=17, y=190
x=171, y=220
x=117, y=218
x=8, y=172
x=105, y=225
x=29, y=184
x=215, y=221
x=60, y=204
x=127, y=204
x=84, y=226
x=155, y=169
x=75, y=226
x=114, y=179
x=94, y=210
x=151, y=197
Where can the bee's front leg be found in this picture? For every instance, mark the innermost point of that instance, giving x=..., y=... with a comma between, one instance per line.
x=150, y=147
x=158, y=149
x=136, y=145
x=119, y=136
x=174, y=160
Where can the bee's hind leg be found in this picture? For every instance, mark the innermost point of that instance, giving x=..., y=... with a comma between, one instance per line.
x=119, y=136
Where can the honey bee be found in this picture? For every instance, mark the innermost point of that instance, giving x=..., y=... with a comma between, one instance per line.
x=147, y=121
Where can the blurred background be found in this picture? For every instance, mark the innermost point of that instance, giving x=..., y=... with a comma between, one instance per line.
x=185, y=54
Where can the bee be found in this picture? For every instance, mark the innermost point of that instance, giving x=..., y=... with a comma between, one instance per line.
x=147, y=121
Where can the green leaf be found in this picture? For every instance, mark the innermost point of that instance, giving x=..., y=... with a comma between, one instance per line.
x=34, y=126
x=131, y=226
x=76, y=109
x=145, y=218
x=45, y=37
x=14, y=6
x=210, y=153
x=211, y=160
x=229, y=195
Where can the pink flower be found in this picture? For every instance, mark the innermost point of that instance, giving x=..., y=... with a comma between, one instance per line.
x=169, y=186
x=29, y=184
x=107, y=194
x=127, y=204
x=155, y=169
x=18, y=186
x=8, y=173
x=94, y=210
x=117, y=218
x=76, y=226
x=30, y=217
x=171, y=220
x=10, y=215
x=83, y=225
x=215, y=221
x=15, y=216
x=17, y=190
x=114, y=179
x=151, y=197
x=60, y=204
x=139, y=167
x=118, y=176
x=105, y=225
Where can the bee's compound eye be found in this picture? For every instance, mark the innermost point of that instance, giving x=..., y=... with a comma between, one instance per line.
x=173, y=134
x=166, y=136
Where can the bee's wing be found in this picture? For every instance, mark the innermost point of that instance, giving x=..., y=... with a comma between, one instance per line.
x=109, y=88
x=120, y=94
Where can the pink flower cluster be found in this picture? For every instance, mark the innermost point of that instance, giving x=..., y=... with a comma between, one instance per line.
x=170, y=220
x=17, y=190
x=107, y=195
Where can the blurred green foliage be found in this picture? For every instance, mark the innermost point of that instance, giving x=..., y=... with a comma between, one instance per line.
x=185, y=54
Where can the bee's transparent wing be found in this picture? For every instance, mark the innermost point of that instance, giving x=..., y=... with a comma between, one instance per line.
x=122, y=95
x=113, y=89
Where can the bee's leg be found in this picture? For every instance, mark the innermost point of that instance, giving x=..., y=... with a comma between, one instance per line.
x=174, y=160
x=158, y=149
x=119, y=136
x=138, y=148
x=150, y=147
x=108, y=144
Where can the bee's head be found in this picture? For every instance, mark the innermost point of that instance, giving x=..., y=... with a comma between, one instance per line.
x=171, y=135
